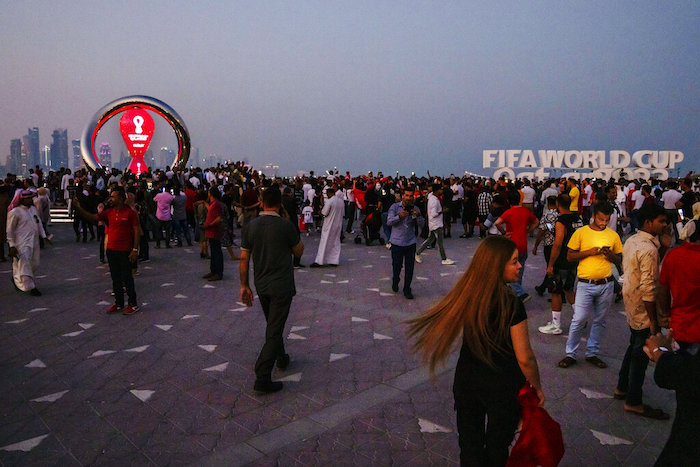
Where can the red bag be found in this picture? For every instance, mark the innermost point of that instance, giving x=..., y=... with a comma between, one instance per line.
x=540, y=441
x=302, y=226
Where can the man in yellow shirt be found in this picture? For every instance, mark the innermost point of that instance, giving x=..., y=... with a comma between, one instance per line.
x=596, y=247
x=574, y=194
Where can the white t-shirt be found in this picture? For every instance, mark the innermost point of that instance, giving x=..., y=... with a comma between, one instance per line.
x=670, y=198
x=588, y=192
x=528, y=194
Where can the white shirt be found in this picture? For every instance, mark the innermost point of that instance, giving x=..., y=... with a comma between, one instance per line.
x=588, y=192
x=528, y=194
x=434, y=214
x=458, y=191
x=551, y=191
x=638, y=198
x=670, y=198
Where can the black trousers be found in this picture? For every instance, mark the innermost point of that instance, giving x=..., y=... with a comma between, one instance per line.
x=483, y=443
x=401, y=255
x=276, y=310
x=216, y=263
x=120, y=269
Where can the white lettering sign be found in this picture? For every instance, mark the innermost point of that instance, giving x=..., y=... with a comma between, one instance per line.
x=595, y=164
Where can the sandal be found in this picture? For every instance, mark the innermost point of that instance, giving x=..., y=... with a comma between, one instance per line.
x=567, y=362
x=650, y=412
x=597, y=362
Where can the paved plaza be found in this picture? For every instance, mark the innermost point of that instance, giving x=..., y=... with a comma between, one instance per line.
x=172, y=385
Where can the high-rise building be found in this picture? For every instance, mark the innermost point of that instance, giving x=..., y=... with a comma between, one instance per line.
x=77, y=157
x=59, y=149
x=167, y=156
x=46, y=157
x=106, y=155
x=24, y=162
x=33, y=150
x=14, y=160
x=124, y=160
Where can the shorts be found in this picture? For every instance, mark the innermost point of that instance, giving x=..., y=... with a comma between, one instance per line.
x=562, y=281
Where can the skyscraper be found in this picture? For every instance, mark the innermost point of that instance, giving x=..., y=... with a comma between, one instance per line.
x=24, y=162
x=13, y=162
x=33, y=156
x=106, y=155
x=77, y=157
x=46, y=157
x=59, y=148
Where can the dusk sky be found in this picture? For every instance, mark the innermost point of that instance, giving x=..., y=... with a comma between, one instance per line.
x=363, y=85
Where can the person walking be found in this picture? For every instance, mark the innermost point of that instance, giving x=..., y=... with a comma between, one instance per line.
x=435, y=225
x=24, y=228
x=404, y=218
x=496, y=358
x=329, y=246
x=271, y=242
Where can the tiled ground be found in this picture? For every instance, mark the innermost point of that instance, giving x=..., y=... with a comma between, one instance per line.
x=172, y=385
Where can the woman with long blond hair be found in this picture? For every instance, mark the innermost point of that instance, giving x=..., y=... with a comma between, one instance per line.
x=496, y=358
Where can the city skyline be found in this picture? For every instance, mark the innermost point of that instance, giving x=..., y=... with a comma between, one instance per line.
x=365, y=85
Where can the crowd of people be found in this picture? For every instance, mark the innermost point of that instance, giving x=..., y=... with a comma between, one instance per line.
x=581, y=225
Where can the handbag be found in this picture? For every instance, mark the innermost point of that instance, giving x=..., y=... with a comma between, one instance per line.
x=540, y=441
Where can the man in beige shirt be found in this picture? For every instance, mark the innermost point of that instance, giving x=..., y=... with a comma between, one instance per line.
x=640, y=263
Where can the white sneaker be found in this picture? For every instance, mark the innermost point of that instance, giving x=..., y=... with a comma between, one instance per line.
x=387, y=245
x=550, y=328
x=448, y=262
x=419, y=259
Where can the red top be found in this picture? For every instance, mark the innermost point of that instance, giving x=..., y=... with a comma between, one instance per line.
x=189, y=204
x=680, y=272
x=517, y=220
x=120, y=227
x=216, y=209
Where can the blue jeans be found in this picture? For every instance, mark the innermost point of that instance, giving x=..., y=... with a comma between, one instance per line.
x=589, y=298
x=518, y=286
x=386, y=227
x=634, y=366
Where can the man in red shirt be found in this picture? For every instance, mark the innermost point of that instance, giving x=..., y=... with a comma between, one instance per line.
x=519, y=222
x=214, y=229
x=122, y=249
x=679, y=290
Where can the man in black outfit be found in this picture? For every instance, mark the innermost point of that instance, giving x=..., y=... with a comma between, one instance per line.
x=678, y=371
x=271, y=241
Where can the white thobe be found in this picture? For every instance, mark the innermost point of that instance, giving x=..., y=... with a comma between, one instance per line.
x=23, y=231
x=329, y=245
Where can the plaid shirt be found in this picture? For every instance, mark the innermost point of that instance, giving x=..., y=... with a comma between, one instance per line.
x=484, y=201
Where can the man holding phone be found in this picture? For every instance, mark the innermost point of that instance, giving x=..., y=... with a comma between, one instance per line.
x=404, y=218
x=596, y=248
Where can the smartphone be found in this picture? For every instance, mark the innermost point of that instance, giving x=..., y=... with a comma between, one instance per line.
x=680, y=214
x=550, y=226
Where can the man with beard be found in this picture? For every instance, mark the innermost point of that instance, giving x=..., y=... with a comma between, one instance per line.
x=23, y=231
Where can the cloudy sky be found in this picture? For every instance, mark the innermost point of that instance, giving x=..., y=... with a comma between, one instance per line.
x=363, y=85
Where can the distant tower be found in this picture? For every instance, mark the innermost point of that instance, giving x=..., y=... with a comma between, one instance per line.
x=106, y=155
x=46, y=157
x=24, y=162
x=77, y=157
x=33, y=156
x=14, y=164
x=167, y=156
x=59, y=148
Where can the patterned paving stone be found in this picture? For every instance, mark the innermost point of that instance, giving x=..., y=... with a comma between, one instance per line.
x=354, y=393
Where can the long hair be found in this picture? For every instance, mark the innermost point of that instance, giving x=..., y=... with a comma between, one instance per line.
x=467, y=309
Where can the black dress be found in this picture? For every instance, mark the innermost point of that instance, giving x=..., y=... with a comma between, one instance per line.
x=482, y=391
